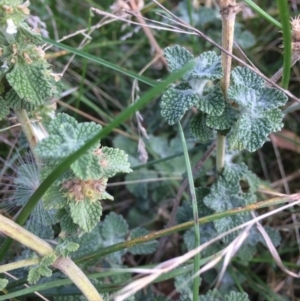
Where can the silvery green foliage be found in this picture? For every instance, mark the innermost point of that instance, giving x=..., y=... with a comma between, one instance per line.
x=227, y=193
x=114, y=229
x=77, y=192
x=259, y=113
x=42, y=270
x=250, y=116
x=26, y=78
x=178, y=99
x=215, y=295
x=184, y=285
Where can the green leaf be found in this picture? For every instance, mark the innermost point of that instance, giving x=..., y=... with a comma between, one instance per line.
x=30, y=82
x=114, y=226
x=66, y=222
x=235, y=296
x=66, y=135
x=145, y=248
x=259, y=114
x=213, y=103
x=176, y=101
x=3, y=283
x=177, y=57
x=207, y=66
x=45, y=271
x=34, y=275
x=4, y=109
x=224, y=121
x=245, y=77
x=200, y=130
x=66, y=247
x=16, y=103
x=54, y=198
x=86, y=214
x=112, y=161
x=48, y=260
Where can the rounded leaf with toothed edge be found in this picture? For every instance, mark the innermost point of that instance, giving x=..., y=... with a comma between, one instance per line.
x=245, y=77
x=85, y=214
x=30, y=82
x=213, y=103
x=176, y=101
x=200, y=130
x=177, y=57
x=207, y=66
x=223, y=122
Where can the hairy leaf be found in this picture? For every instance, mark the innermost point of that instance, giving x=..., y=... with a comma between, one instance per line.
x=4, y=109
x=177, y=57
x=176, y=101
x=200, y=130
x=86, y=214
x=30, y=82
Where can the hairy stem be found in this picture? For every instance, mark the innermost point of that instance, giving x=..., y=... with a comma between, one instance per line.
x=18, y=264
x=196, y=280
x=27, y=128
x=66, y=265
x=228, y=10
x=186, y=226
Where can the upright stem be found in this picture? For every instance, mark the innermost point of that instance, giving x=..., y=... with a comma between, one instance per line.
x=66, y=265
x=228, y=10
x=27, y=130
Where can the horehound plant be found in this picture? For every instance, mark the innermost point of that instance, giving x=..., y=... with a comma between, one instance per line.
x=235, y=105
x=73, y=200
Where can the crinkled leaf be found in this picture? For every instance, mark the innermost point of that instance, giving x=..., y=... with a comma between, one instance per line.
x=86, y=214
x=224, y=121
x=82, y=166
x=236, y=296
x=30, y=82
x=54, y=198
x=213, y=103
x=259, y=114
x=246, y=77
x=200, y=130
x=33, y=275
x=235, y=173
x=66, y=135
x=48, y=260
x=176, y=101
x=4, y=109
x=114, y=226
x=66, y=222
x=16, y=103
x=207, y=66
x=273, y=234
x=45, y=271
x=250, y=132
x=177, y=57
x=112, y=161
x=144, y=248
x=213, y=295
x=66, y=247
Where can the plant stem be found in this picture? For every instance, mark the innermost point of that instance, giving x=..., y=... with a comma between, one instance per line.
x=66, y=265
x=27, y=130
x=18, y=264
x=287, y=38
x=228, y=10
x=196, y=280
x=185, y=226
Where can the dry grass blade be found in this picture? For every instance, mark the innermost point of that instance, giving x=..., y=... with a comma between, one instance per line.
x=175, y=262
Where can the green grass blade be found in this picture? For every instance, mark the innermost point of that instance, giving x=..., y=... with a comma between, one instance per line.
x=100, y=61
x=34, y=199
x=287, y=41
x=196, y=281
x=261, y=12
